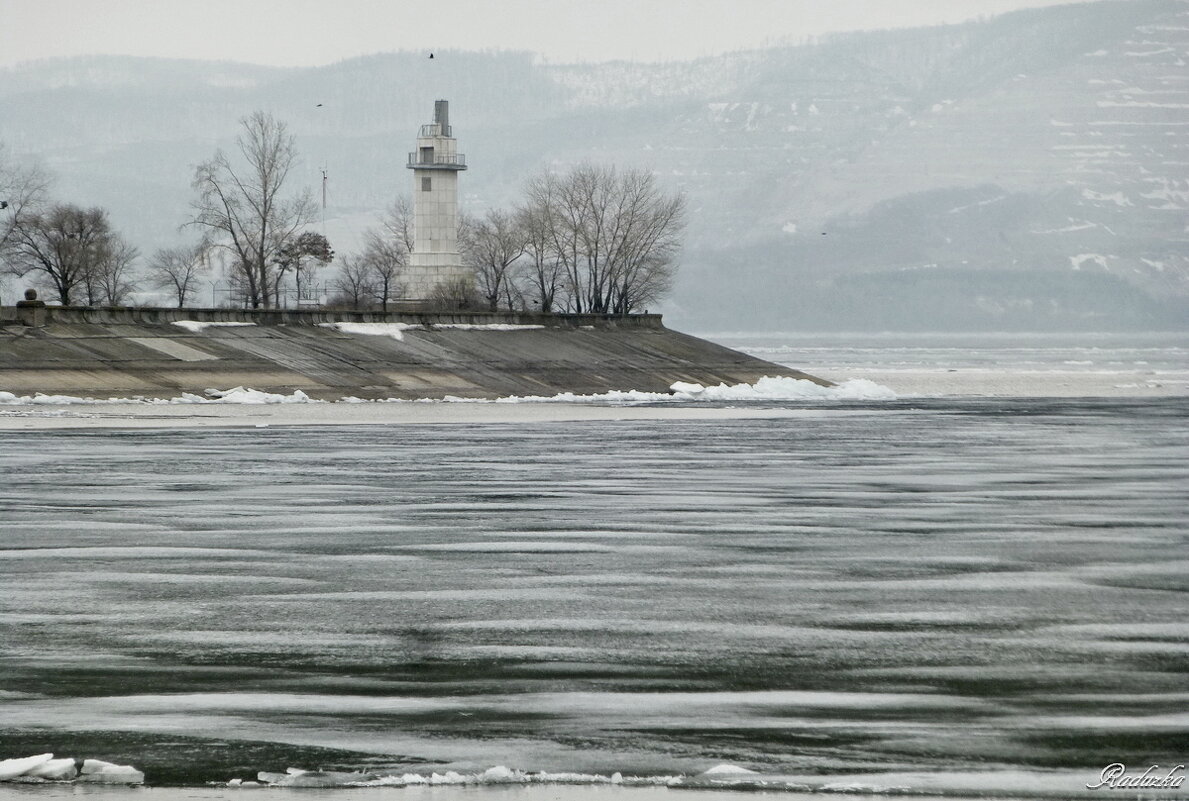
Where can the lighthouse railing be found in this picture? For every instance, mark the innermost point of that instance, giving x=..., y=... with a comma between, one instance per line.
x=417, y=159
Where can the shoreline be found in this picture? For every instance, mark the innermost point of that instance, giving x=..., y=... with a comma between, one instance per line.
x=1067, y=784
x=163, y=416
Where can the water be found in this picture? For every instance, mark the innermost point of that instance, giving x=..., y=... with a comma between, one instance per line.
x=960, y=586
x=988, y=364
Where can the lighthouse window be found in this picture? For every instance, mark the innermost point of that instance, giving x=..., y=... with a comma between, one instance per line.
x=426, y=184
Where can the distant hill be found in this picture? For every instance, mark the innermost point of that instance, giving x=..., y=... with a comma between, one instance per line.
x=1030, y=171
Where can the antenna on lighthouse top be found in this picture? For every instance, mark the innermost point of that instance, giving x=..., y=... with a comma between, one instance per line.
x=325, y=178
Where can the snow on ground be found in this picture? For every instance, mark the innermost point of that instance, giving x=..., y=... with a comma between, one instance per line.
x=489, y=327
x=196, y=326
x=394, y=330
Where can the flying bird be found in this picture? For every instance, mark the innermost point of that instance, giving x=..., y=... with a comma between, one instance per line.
x=318, y=106
x=431, y=55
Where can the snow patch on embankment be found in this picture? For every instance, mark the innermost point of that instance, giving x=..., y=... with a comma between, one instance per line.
x=397, y=330
x=196, y=326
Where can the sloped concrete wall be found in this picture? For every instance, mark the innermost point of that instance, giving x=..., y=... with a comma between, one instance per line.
x=130, y=352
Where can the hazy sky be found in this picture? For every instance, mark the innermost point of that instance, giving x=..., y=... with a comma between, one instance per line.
x=304, y=32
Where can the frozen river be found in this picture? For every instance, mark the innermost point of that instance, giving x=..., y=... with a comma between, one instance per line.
x=988, y=587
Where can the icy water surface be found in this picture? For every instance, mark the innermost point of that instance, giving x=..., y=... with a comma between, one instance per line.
x=934, y=585
x=987, y=364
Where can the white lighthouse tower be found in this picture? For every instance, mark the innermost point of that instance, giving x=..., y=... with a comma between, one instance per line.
x=436, y=163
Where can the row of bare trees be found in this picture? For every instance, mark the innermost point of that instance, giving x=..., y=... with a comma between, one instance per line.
x=241, y=207
x=593, y=239
x=240, y=210
x=74, y=250
x=371, y=279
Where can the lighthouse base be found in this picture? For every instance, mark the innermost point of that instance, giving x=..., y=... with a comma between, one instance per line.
x=437, y=277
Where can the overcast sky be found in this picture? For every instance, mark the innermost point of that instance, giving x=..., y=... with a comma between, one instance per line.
x=305, y=32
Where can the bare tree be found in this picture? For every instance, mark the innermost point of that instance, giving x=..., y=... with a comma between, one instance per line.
x=242, y=207
x=545, y=273
x=109, y=279
x=611, y=236
x=385, y=259
x=64, y=244
x=644, y=244
x=24, y=191
x=386, y=251
x=554, y=205
x=453, y=295
x=491, y=245
x=179, y=270
x=398, y=223
x=355, y=282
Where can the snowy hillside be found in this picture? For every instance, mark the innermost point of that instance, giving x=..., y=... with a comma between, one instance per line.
x=1029, y=171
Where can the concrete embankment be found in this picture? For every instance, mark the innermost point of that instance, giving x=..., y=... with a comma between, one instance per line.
x=145, y=352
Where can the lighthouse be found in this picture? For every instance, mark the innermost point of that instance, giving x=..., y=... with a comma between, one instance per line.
x=434, y=263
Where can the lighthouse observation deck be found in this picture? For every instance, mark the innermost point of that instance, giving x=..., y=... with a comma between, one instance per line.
x=436, y=160
x=436, y=144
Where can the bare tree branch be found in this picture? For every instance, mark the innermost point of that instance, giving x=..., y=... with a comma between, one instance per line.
x=599, y=240
x=180, y=269
x=241, y=208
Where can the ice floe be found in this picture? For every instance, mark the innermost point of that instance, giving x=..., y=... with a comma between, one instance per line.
x=768, y=388
x=244, y=395
x=100, y=772
x=500, y=774
x=44, y=768
x=727, y=769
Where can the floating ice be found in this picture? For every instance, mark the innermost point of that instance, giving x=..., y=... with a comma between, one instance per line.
x=100, y=772
x=55, y=770
x=244, y=395
x=12, y=768
x=727, y=769
x=38, y=399
x=768, y=388
x=233, y=395
x=196, y=326
x=43, y=767
x=784, y=388
x=295, y=777
x=500, y=774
